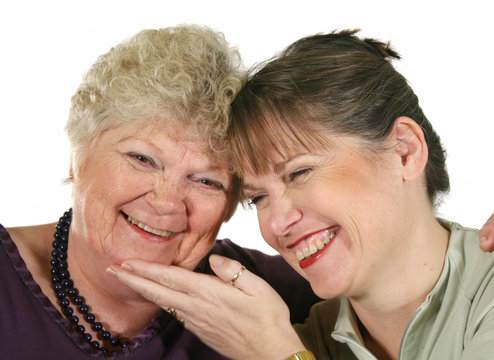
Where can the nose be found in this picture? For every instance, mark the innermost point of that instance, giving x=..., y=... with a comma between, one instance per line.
x=167, y=196
x=283, y=215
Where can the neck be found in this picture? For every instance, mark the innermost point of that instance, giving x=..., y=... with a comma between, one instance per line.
x=388, y=306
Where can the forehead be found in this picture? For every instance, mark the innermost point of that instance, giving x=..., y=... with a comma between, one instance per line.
x=267, y=141
x=164, y=135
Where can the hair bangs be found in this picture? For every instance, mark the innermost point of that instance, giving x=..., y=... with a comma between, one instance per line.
x=271, y=130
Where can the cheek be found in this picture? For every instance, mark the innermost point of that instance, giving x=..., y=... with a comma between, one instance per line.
x=265, y=228
x=206, y=213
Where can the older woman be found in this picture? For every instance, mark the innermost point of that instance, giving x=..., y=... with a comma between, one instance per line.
x=345, y=170
x=150, y=181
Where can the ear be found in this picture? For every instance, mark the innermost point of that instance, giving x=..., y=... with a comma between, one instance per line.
x=410, y=145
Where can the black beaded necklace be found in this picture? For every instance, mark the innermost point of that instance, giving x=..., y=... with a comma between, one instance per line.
x=66, y=292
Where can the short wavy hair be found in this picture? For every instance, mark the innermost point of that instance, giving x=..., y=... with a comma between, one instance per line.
x=187, y=74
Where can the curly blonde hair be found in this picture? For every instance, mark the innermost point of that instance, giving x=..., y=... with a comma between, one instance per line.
x=187, y=73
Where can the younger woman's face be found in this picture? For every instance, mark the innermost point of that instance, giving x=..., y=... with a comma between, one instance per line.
x=332, y=214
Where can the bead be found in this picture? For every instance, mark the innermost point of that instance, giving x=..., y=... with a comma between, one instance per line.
x=124, y=344
x=54, y=262
x=103, y=349
x=77, y=300
x=63, y=246
x=114, y=341
x=81, y=329
x=62, y=256
x=83, y=309
x=68, y=311
x=72, y=292
x=97, y=326
x=55, y=253
x=95, y=345
x=64, y=274
x=55, y=279
x=55, y=244
x=60, y=295
x=106, y=335
x=64, y=302
x=54, y=271
x=57, y=287
x=67, y=283
x=90, y=318
x=87, y=337
x=74, y=320
x=64, y=238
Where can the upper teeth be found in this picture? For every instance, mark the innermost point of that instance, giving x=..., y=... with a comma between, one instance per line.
x=149, y=228
x=312, y=248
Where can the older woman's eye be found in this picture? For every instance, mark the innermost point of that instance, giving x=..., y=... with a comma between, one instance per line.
x=299, y=173
x=211, y=183
x=143, y=159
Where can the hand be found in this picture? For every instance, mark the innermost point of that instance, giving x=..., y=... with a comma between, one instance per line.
x=246, y=320
x=486, y=235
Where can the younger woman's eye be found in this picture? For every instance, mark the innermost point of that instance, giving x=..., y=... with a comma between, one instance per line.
x=255, y=200
x=299, y=173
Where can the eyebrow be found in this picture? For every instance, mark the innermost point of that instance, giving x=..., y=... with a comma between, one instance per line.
x=278, y=169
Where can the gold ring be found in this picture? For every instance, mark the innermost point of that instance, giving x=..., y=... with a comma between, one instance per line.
x=237, y=275
x=171, y=311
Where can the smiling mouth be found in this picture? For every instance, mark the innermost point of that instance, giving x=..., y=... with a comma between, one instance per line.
x=148, y=228
x=314, y=244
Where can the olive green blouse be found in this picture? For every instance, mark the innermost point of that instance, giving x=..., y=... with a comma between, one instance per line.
x=456, y=321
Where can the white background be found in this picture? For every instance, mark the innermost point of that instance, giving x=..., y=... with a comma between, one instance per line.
x=46, y=46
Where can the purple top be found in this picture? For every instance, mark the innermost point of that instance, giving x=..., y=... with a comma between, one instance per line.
x=32, y=328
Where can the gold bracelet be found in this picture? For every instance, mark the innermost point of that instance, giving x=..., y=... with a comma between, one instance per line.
x=302, y=355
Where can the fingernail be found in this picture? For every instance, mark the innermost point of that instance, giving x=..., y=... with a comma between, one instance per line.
x=110, y=270
x=127, y=267
x=216, y=260
x=483, y=240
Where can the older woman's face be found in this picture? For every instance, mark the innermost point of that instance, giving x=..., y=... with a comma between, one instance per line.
x=147, y=193
x=333, y=215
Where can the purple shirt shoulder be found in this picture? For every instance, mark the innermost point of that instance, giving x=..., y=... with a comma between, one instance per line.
x=32, y=328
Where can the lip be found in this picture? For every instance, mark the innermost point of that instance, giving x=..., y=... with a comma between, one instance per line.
x=306, y=236
x=147, y=235
x=304, y=263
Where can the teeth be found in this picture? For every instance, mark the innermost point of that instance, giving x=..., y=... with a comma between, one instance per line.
x=314, y=247
x=149, y=228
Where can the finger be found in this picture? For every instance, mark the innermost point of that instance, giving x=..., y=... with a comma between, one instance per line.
x=234, y=273
x=149, y=289
x=173, y=277
x=486, y=235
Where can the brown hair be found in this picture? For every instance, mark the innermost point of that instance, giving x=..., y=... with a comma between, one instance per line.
x=333, y=81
